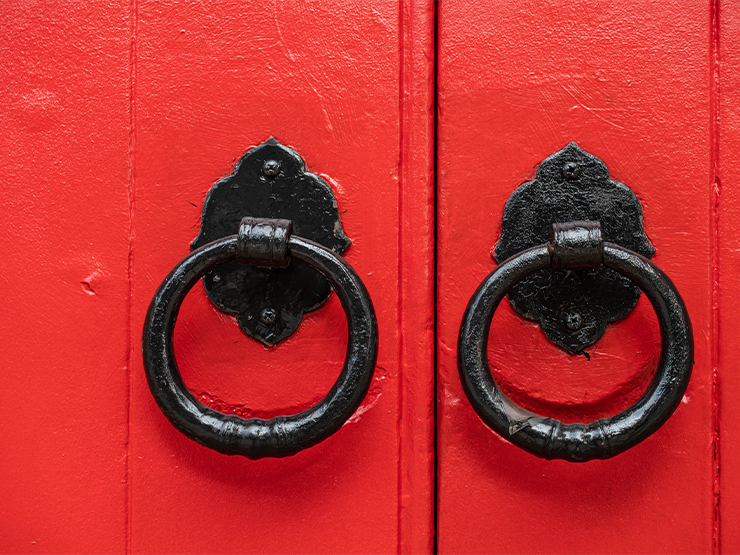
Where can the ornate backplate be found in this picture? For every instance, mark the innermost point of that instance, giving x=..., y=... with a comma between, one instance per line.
x=270, y=181
x=572, y=306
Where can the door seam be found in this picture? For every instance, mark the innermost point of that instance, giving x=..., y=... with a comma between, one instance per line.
x=714, y=126
x=134, y=28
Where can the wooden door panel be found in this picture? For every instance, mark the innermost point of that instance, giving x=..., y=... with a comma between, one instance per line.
x=64, y=145
x=630, y=83
x=118, y=118
x=328, y=80
x=727, y=200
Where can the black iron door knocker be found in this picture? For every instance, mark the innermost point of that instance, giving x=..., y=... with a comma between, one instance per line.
x=573, y=285
x=270, y=276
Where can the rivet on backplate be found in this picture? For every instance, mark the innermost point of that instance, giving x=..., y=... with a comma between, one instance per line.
x=268, y=316
x=574, y=321
x=271, y=168
x=571, y=170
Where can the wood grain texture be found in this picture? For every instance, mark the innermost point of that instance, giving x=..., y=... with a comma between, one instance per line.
x=325, y=79
x=64, y=143
x=630, y=83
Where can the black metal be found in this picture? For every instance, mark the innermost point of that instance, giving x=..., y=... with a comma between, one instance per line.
x=270, y=181
x=547, y=437
x=255, y=438
x=576, y=245
x=572, y=185
x=264, y=242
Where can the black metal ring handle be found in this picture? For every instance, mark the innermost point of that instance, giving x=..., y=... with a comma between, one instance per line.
x=577, y=245
x=266, y=242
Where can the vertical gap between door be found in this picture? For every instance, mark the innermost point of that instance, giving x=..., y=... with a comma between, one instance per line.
x=714, y=51
x=402, y=377
x=134, y=27
x=435, y=172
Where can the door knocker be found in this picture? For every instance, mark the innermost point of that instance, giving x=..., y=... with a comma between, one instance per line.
x=568, y=275
x=267, y=250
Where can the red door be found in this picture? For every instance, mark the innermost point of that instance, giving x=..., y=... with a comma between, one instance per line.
x=120, y=116
x=647, y=87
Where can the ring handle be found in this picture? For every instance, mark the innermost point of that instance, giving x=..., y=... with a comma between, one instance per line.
x=577, y=245
x=264, y=242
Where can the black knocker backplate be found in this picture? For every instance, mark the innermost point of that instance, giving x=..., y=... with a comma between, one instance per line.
x=270, y=181
x=572, y=307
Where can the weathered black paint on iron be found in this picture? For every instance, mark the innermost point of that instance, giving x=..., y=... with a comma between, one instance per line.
x=255, y=437
x=572, y=185
x=573, y=247
x=270, y=181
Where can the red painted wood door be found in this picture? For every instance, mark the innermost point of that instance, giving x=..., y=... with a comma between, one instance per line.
x=118, y=116
x=651, y=89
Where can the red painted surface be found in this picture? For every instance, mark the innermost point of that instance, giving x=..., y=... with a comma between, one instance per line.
x=631, y=84
x=64, y=142
x=416, y=273
x=727, y=167
x=118, y=119
x=328, y=80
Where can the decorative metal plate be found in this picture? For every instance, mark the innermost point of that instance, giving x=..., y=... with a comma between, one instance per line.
x=270, y=181
x=572, y=306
